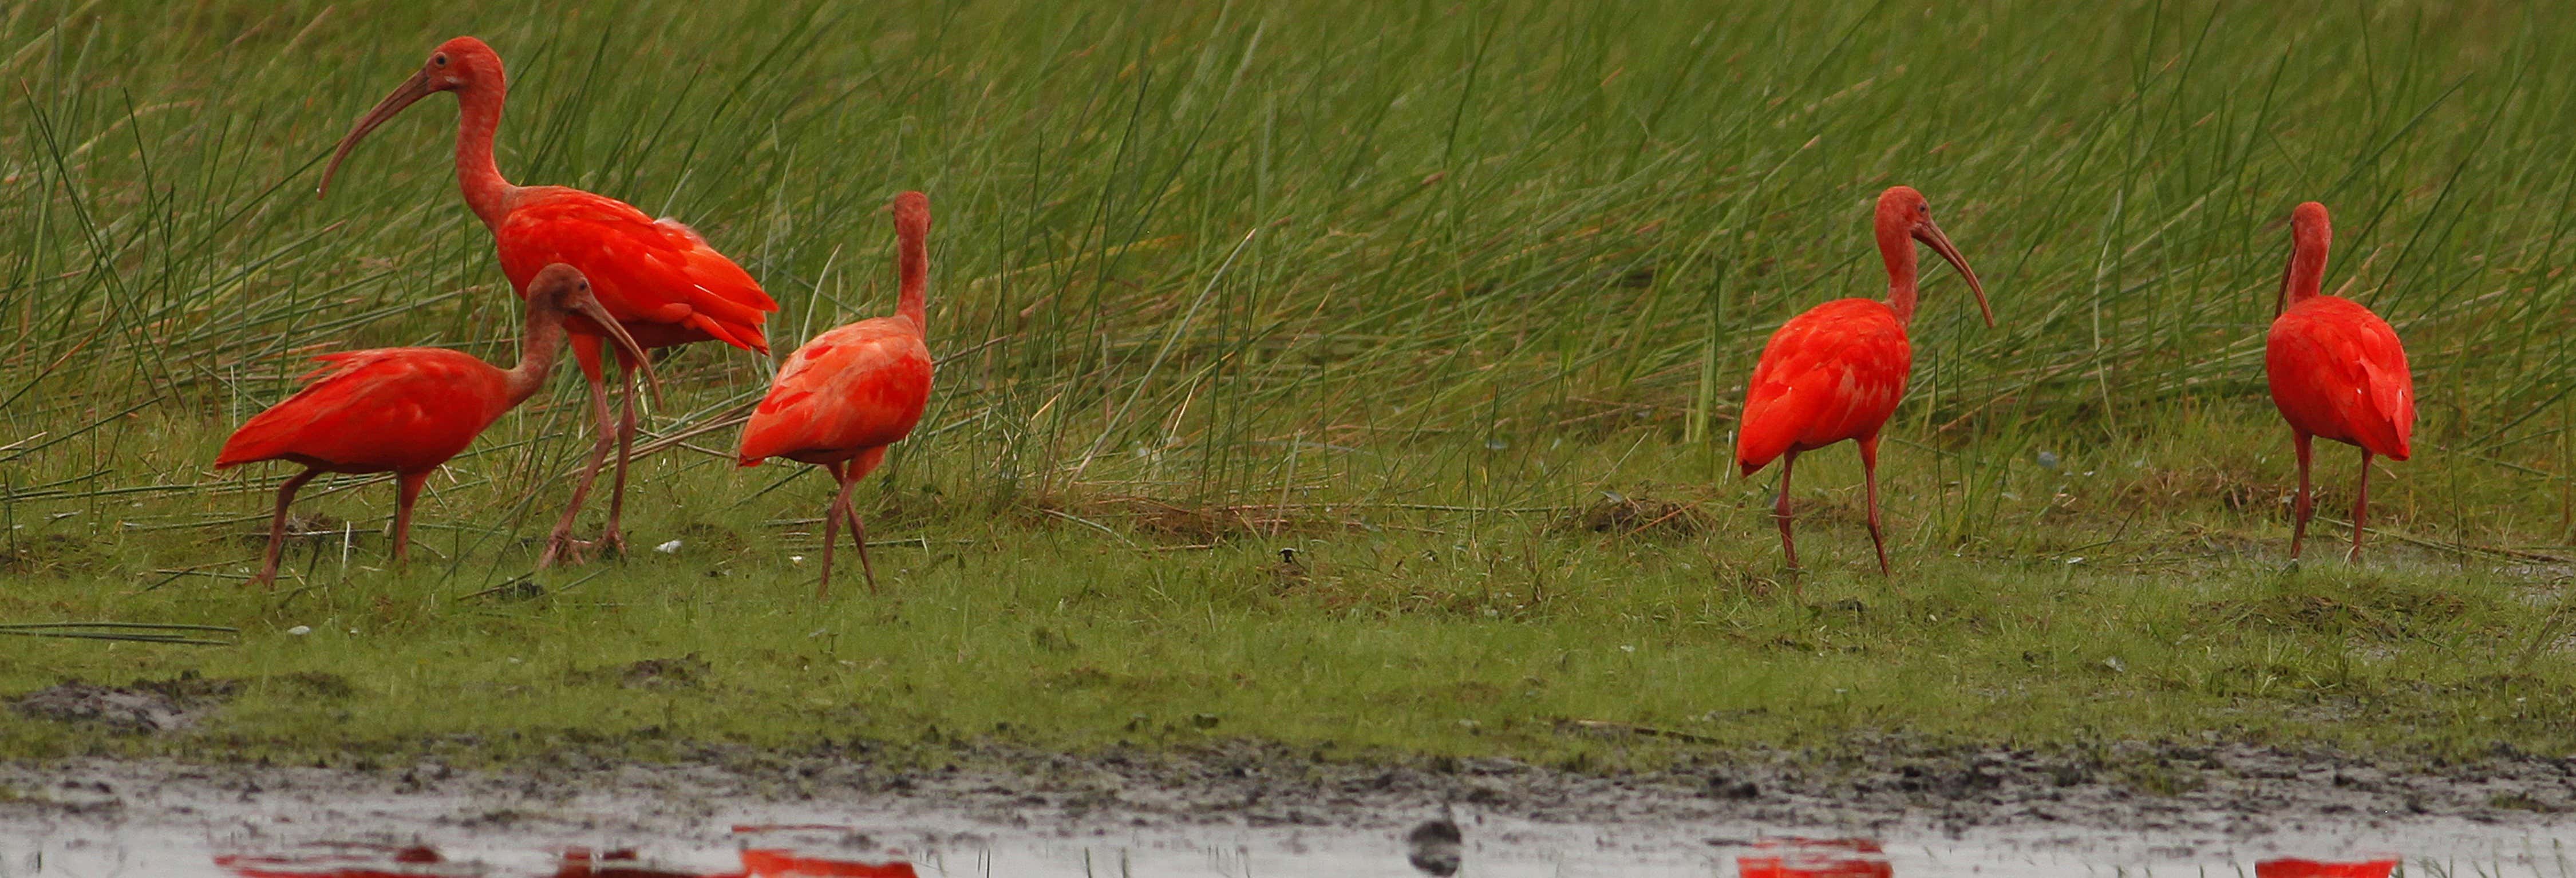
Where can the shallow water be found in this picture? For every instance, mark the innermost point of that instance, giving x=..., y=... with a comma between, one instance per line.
x=280, y=846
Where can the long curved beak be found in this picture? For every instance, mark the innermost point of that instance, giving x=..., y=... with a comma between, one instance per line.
x=413, y=90
x=2281, y=300
x=588, y=306
x=1930, y=233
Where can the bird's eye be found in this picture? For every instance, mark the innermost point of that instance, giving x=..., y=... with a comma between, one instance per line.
x=439, y=59
x=584, y=285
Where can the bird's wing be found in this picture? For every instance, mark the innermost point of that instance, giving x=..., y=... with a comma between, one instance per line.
x=2346, y=376
x=372, y=406
x=2380, y=361
x=1832, y=373
x=643, y=270
x=859, y=386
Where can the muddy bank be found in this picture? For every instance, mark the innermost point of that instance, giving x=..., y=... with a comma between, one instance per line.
x=2183, y=794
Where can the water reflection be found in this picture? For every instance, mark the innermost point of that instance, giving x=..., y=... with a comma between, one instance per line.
x=766, y=852
x=2298, y=868
x=1815, y=858
x=343, y=860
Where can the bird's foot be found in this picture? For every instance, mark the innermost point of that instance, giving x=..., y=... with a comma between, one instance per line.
x=562, y=548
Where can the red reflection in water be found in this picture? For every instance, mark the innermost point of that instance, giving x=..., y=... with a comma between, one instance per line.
x=342, y=860
x=776, y=860
x=1815, y=858
x=375, y=861
x=582, y=863
x=2298, y=868
x=766, y=863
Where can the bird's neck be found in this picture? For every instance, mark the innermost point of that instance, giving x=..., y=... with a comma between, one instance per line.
x=478, y=122
x=539, y=344
x=914, y=262
x=1896, y=248
x=2307, y=272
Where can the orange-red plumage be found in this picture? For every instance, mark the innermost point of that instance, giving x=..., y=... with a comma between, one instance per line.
x=657, y=277
x=850, y=392
x=406, y=410
x=1828, y=375
x=1836, y=372
x=854, y=388
x=388, y=410
x=2337, y=371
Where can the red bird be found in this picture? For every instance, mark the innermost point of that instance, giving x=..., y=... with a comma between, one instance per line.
x=657, y=277
x=1837, y=371
x=852, y=391
x=2337, y=370
x=407, y=410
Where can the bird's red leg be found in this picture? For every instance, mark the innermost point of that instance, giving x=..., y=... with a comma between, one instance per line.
x=832, y=516
x=1869, y=476
x=858, y=532
x=2360, y=506
x=2299, y=510
x=406, y=490
x=1788, y=546
x=561, y=540
x=611, y=539
x=277, y=527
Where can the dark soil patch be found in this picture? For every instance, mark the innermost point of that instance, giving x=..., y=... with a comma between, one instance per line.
x=2239, y=489
x=685, y=672
x=700, y=538
x=1194, y=523
x=316, y=684
x=2365, y=608
x=146, y=707
x=49, y=554
x=1626, y=515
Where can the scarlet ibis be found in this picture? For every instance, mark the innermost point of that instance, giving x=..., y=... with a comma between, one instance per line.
x=657, y=277
x=407, y=410
x=1837, y=371
x=852, y=391
x=2337, y=370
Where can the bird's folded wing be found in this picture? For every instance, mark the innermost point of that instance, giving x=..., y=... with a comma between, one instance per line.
x=858, y=386
x=641, y=269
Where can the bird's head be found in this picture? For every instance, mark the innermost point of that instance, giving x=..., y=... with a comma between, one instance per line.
x=2311, y=235
x=1902, y=209
x=459, y=65
x=560, y=290
x=911, y=214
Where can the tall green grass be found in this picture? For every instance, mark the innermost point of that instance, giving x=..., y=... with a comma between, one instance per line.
x=1381, y=255
x=1457, y=299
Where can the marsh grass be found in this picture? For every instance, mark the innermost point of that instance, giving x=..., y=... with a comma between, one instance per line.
x=1406, y=287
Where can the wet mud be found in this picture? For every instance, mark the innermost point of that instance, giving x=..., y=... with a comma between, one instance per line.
x=2184, y=796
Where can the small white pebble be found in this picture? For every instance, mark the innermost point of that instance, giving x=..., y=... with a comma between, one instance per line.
x=353, y=631
x=668, y=548
x=514, y=659
x=300, y=630
x=795, y=559
x=1627, y=648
